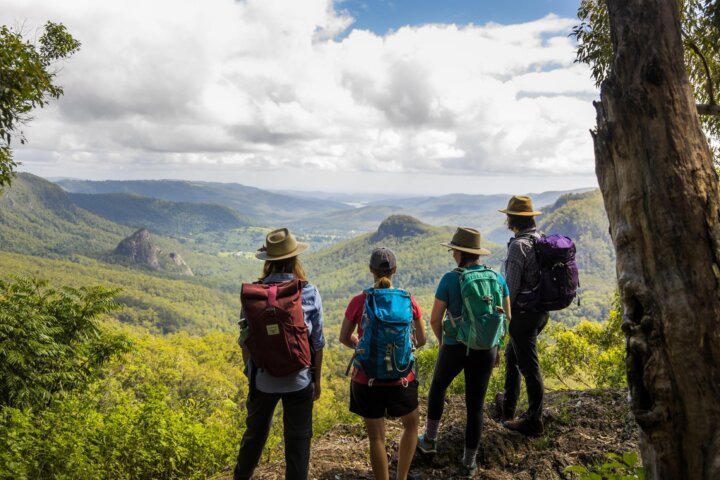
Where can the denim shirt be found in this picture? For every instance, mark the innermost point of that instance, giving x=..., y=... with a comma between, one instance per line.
x=312, y=308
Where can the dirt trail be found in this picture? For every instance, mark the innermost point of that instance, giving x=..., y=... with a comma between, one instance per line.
x=581, y=427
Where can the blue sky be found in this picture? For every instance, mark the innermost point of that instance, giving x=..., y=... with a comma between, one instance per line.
x=380, y=16
x=324, y=95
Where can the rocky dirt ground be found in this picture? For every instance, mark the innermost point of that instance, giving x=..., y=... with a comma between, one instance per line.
x=581, y=427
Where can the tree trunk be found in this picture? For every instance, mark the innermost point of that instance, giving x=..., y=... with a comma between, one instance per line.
x=661, y=195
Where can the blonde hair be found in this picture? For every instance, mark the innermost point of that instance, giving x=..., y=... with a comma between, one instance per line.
x=383, y=279
x=287, y=265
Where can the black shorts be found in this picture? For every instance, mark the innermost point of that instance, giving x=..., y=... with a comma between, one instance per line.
x=379, y=401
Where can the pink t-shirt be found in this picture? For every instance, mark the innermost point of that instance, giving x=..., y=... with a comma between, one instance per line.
x=354, y=313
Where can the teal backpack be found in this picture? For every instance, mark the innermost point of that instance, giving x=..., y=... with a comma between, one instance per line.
x=482, y=324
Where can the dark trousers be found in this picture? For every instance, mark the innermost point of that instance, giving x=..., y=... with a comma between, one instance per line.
x=297, y=428
x=477, y=366
x=521, y=358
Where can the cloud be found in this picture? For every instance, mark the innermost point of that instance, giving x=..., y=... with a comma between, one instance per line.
x=271, y=84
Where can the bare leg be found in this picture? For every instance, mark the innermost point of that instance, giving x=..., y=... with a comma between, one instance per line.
x=378, y=457
x=408, y=441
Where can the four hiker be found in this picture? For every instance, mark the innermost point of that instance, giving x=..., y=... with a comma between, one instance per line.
x=282, y=340
x=383, y=383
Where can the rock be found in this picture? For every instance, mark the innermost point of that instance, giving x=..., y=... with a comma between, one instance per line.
x=178, y=261
x=400, y=226
x=139, y=249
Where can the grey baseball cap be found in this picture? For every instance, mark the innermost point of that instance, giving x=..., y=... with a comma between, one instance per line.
x=383, y=259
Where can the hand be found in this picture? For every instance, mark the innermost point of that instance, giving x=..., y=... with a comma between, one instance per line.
x=497, y=359
x=316, y=390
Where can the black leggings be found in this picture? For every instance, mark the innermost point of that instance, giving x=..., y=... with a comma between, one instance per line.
x=478, y=366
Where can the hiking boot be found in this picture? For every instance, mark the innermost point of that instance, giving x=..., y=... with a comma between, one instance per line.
x=425, y=445
x=467, y=471
x=500, y=407
x=531, y=428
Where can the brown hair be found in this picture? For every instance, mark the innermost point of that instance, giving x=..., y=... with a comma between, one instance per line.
x=520, y=222
x=287, y=265
x=467, y=258
x=383, y=278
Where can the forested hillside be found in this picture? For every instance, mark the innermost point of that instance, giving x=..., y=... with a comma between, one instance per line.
x=169, y=218
x=164, y=403
x=266, y=207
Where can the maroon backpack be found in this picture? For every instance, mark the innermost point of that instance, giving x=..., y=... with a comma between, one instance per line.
x=278, y=336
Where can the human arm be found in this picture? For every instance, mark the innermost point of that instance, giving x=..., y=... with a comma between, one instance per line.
x=347, y=333
x=317, y=364
x=312, y=306
x=506, y=307
x=418, y=325
x=436, y=318
x=514, y=266
x=508, y=315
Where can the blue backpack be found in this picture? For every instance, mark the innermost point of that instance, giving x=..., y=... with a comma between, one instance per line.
x=385, y=351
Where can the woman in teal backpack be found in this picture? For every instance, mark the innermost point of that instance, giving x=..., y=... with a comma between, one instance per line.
x=455, y=356
x=385, y=385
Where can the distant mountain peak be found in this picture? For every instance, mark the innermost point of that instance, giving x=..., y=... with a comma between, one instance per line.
x=401, y=226
x=139, y=249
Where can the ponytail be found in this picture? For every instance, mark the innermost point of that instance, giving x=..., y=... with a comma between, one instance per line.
x=383, y=279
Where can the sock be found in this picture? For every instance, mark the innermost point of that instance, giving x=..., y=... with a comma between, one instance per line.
x=431, y=429
x=469, y=456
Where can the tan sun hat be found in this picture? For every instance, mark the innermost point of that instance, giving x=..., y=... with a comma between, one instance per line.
x=279, y=245
x=520, y=205
x=467, y=240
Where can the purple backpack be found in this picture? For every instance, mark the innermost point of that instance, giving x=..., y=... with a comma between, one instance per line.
x=559, y=280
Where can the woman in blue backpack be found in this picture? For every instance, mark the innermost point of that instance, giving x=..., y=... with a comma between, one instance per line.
x=455, y=357
x=385, y=385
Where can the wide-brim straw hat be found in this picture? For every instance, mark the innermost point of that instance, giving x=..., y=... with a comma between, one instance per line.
x=279, y=245
x=520, y=205
x=467, y=240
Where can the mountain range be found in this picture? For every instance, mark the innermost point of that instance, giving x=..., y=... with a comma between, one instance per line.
x=41, y=219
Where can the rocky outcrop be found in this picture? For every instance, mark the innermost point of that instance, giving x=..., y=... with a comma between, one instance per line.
x=139, y=249
x=400, y=226
x=179, y=262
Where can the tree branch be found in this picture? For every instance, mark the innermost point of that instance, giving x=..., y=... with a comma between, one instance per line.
x=706, y=109
x=709, y=86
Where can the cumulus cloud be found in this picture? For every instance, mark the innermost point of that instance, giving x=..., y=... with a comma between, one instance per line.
x=272, y=84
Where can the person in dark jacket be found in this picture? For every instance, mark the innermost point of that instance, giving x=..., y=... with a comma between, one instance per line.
x=522, y=272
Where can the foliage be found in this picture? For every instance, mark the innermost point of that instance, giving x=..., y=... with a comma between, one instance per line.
x=167, y=409
x=590, y=354
x=50, y=340
x=701, y=37
x=618, y=467
x=26, y=82
x=170, y=218
x=163, y=305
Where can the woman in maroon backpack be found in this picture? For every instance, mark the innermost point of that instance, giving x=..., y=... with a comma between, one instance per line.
x=375, y=399
x=296, y=306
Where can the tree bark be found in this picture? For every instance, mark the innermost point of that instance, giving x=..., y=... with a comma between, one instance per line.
x=661, y=195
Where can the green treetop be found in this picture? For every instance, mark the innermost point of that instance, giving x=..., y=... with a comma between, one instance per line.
x=27, y=82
